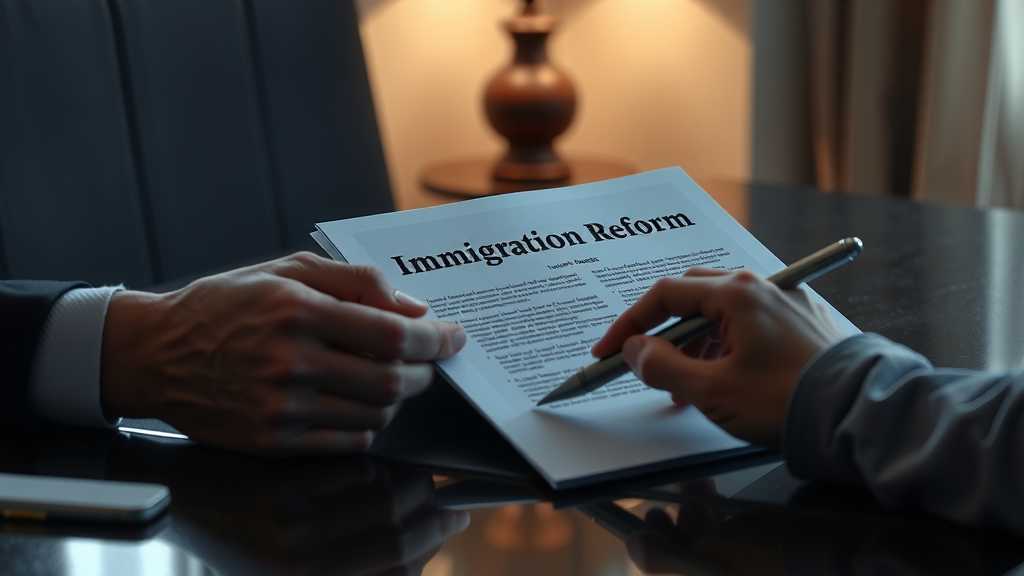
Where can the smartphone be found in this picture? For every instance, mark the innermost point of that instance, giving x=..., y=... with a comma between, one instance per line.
x=24, y=497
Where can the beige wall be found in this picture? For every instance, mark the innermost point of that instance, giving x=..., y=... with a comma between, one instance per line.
x=662, y=82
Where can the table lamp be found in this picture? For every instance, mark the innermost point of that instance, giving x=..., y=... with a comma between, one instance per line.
x=530, y=102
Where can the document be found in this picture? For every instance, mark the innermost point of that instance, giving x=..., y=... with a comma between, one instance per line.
x=536, y=278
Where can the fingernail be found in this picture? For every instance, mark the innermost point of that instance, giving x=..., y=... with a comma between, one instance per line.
x=403, y=298
x=631, y=349
x=458, y=337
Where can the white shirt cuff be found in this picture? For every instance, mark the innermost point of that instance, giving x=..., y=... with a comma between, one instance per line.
x=65, y=387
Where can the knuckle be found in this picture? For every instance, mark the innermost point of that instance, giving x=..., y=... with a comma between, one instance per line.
x=290, y=308
x=292, y=263
x=372, y=276
x=663, y=284
x=305, y=259
x=285, y=363
x=742, y=292
x=642, y=366
x=745, y=277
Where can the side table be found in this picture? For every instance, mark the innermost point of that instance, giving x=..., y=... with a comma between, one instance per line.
x=471, y=177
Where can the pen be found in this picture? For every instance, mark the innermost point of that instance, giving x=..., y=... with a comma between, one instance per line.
x=597, y=374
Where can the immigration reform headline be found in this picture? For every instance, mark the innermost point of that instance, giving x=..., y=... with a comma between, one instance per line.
x=495, y=254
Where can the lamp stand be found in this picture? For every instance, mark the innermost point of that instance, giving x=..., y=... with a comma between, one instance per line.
x=530, y=102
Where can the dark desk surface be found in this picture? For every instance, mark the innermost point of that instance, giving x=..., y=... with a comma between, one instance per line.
x=942, y=280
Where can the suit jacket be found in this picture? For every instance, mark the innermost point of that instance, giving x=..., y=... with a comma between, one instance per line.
x=24, y=308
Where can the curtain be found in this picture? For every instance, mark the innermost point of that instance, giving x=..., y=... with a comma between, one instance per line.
x=1001, y=173
x=866, y=72
x=918, y=98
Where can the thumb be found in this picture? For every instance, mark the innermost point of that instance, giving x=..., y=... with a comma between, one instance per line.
x=661, y=365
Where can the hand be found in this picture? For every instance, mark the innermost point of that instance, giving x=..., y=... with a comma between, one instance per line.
x=767, y=337
x=296, y=354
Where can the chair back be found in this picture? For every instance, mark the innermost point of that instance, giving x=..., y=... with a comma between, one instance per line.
x=142, y=141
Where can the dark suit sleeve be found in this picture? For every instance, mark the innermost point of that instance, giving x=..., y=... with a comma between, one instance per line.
x=24, y=308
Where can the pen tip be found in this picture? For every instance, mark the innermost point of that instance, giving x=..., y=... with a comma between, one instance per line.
x=568, y=389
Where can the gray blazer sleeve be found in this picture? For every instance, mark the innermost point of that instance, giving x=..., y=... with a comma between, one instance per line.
x=950, y=442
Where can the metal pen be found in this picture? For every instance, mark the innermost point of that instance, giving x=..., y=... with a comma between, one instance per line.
x=596, y=375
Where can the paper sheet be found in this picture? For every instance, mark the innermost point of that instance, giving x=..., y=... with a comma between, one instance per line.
x=536, y=278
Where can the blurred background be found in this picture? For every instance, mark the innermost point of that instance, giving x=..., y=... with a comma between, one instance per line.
x=138, y=129
x=916, y=98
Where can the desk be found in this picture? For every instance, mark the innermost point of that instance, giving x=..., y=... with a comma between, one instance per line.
x=943, y=280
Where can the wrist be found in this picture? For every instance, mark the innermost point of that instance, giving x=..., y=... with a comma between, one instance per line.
x=131, y=335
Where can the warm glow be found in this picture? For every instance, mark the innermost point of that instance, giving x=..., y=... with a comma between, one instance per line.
x=661, y=82
x=440, y=565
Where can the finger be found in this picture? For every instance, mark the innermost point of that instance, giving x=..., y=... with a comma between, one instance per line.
x=365, y=380
x=667, y=298
x=699, y=272
x=324, y=411
x=706, y=347
x=660, y=365
x=384, y=335
x=361, y=284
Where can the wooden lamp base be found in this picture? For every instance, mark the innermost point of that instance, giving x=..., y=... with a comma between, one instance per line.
x=530, y=102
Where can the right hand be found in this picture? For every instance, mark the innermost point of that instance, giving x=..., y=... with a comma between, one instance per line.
x=767, y=336
x=296, y=354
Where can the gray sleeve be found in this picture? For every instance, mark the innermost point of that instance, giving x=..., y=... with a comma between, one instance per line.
x=950, y=442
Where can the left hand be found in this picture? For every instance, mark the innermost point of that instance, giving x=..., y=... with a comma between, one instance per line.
x=299, y=354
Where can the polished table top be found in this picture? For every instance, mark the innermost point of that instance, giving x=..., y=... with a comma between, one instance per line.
x=942, y=280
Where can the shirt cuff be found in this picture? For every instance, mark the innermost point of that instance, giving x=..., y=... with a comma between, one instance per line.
x=65, y=387
x=824, y=395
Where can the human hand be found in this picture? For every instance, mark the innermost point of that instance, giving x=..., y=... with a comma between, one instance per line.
x=767, y=336
x=296, y=354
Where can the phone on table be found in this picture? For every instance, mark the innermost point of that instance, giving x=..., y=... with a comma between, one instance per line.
x=26, y=497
